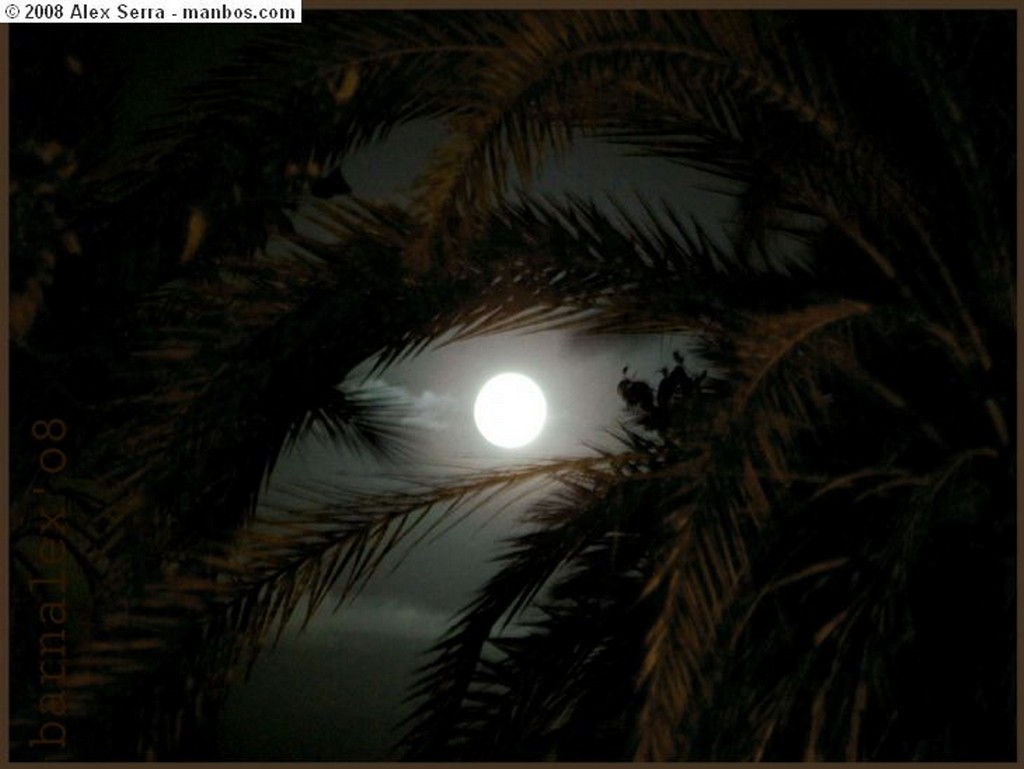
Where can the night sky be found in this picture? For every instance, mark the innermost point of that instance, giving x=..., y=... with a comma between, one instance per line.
x=335, y=690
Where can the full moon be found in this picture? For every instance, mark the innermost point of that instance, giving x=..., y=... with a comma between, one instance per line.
x=510, y=410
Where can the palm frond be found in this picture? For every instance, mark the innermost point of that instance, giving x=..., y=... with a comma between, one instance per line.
x=241, y=595
x=704, y=557
x=557, y=264
x=593, y=522
x=543, y=73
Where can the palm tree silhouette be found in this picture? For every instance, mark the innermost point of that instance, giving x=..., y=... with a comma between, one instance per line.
x=820, y=565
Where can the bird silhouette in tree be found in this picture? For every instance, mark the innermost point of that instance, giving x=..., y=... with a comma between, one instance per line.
x=682, y=382
x=658, y=409
x=638, y=394
x=667, y=389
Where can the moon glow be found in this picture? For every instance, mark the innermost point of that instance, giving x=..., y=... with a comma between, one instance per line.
x=510, y=410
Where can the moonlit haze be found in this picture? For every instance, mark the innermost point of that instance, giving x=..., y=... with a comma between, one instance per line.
x=335, y=690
